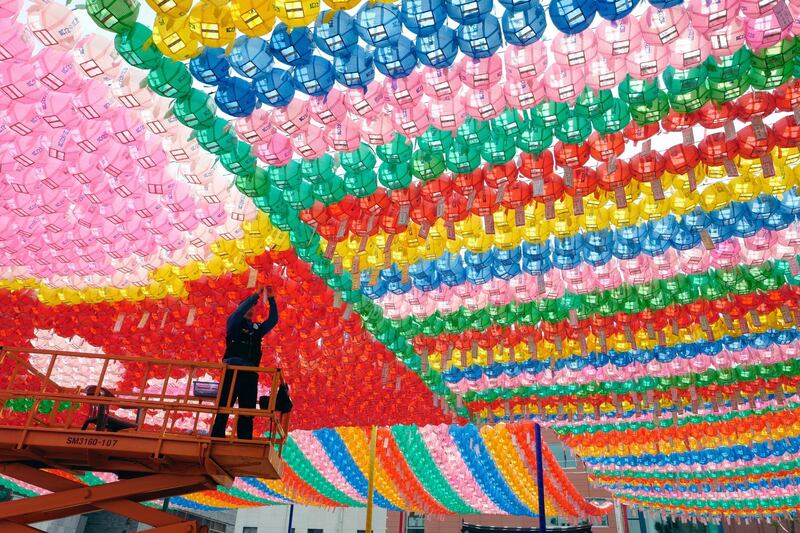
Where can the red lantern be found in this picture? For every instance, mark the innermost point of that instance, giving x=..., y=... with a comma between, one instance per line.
x=715, y=149
x=713, y=115
x=787, y=96
x=638, y=132
x=787, y=132
x=536, y=166
x=571, y=155
x=754, y=104
x=604, y=147
x=753, y=146
x=675, y=121
x=501, y=176
x=681, y=158
x=517, y=196
x=552, y=189
x=648, y=168
x=485, y=205
x=583, y=184
x=423, y=212
x=469, y=184
x=613, y=178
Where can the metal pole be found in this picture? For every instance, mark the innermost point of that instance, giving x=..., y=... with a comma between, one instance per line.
x=540, y=478
x=165, y=505
x=291, y=517
x=371, y=479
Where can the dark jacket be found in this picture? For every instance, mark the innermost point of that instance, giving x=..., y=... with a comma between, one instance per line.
x=243, y=337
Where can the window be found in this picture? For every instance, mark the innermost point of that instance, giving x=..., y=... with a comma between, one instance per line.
x=315, y=530
x=564, y=455
x=249, y=529
x=415, y=523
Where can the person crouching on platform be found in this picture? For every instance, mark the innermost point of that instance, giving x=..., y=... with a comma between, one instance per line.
x=243, y=348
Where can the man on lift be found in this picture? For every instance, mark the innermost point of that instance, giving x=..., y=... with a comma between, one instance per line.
x=243, y=348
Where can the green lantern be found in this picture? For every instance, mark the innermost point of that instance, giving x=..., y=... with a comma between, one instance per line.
x=574, y=130
x=682, y=81
x=287, y=176
x=728, y=67
x=117, y=16
x=768, y=79
x=397, y=151
x=255, y=184
x=509, y=122
x=360, y=184
x=775, y=56
x=499, y=149
x=435, y=141
x=652, y=112
x=551, y=113
x=270, y=200
x=330, y=191
x=283, y=221
x=727, y=91
x=591, y=103
x=462, y=158
x=689, y=101
x=360, y=159
x=218, y=138
x=170, y=79
x=301, y=197
x=239, y=160
x=427, y=166
x=194, y=110
x=136, y=47
x=394, y=176
x=317, y=170
x=638, y=92
x=473, y=132
x=535, y=137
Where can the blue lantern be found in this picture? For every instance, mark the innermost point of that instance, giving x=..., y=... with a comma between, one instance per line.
x=379, y=24
x=315, y=78
x=396, y=61
x=522, y=28
x=291, y=47
x=616, y=9
x=572, y=16
x=481, y=39
x=468, y=11
x=518, y=5
x=250, y=57
x=275, y=88
x=235, y=97
x=335, y=33
x=665, y=4
x=423, y=17
x=438, y=50
x=210, y=67
x=356, y=70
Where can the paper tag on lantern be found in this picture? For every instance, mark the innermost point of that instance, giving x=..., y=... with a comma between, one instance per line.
x=577, y=204
x=601, y=335
x=794, y=267
x=730, y=167
x=583, y=345
x=651, y=333
x=675, y=328
x=252, y=277
x=620, y=198
x=647, y=147
x=705, y=238
x=559, y=344
x=658, y=189
x=463, y=358
x=337, y=266
x=782, y=13
x=340, y=231
x=538, y=186
x=728, y=320
x=796, y=111
x=688, y=136
x=532, y=346
x=329, y=249
x=118, y=323
x=767, y=166
x=402, y=217
x=540, y=286
x=730, y=131
x=786, y=314
x=388, y=245
x=363, y=245
x=755, y=318
x=568, y=177
x=191, y=315
x=501, y=191
x=549, y=210
x=512, y=356
x=519, y=216
x=451, y=230
x=470, y=199
x=488, y=222
x=356, y=267
x=459, y=401
x=759, y=130
x=573, y=317
x=374, y=275
x=440, y=207
x=143, y=320
x=397, y=384
x=404, y=275
x=348, y=310
x=692, y=179
x=744, y=325
x=424, y=229
x=164, y=319
x=612, y=162
x=490, y=356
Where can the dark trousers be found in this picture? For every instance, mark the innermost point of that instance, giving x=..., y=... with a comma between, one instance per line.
x=246, y=391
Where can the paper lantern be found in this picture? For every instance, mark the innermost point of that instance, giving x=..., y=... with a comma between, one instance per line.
x=378, y=24
x=356, y=70
x=117, y=16
x=275, y=89
x=250, y=57
x=398, y=60
x=481, y=39
x=235, y=97
x=210, y=67
x=292, y=47
x=613, y=10
x=437, y=50
x=296, y=13
x=335, y=33
x=423, y=17
x=572, y=16
x=468, y=12
x=314, y=78
x=174, y=38
x=524, y=27
x=212, y=25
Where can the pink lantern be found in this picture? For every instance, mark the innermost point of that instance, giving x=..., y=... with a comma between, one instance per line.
x=97, y=57
x=292, y=118
x=481, y=73
x=116, y=161
x=126, y=127
x=523, y=94
x=28, y=151
x=378, y=130
x=662, y=26
x=765, y=31
x=309, y=144
x=86, y=170
x=411, y=122
x=647, y=61
x=63, y=148
x=277, y=151
x=198, y=171
x=20, y=119
x=604, y=72
x=54, y=24
x=729, y=39
x=328, y=109
x=184, y=220
x=130, y=89
x=366, y=103
x=404, y=92
x=526, y=62
x=689, y=50
x=182, y=149
x=55, y=69
x=18, y=83
x=574, y=50
x=755, y=8
x=178, y=197
x=9, y=8
x=343, y=136
x=15, y=42
x=146, y=205
x=561, y=84
x=711, y=15
x=447, y=113
x=210, y=214
x=484, y=104
x=618, y=38
x=150, y=154
x=255, y=128
x=441, y=82
x=57, y=111
x=159, y=120
x=94, y=100
x=92, y=135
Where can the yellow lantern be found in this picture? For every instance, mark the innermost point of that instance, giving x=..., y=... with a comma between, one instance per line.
x=252, y=17
x=297, y=13
x=171, y=8
x=212, y=25
x=174, y=38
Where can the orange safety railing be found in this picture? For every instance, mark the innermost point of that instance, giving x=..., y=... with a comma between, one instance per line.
x=167, y=397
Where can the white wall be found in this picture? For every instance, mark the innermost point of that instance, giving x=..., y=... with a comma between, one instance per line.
x=275, y=519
